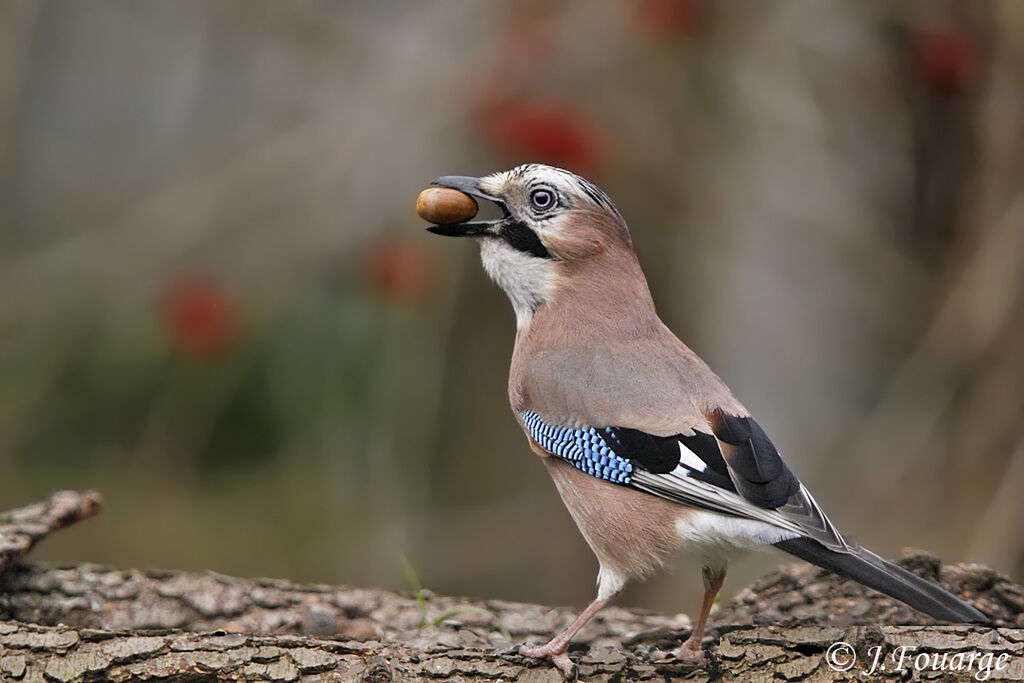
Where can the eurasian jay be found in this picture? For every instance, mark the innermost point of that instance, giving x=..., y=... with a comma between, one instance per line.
x=648, y=448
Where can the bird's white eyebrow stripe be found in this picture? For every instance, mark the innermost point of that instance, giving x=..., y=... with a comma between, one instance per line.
x=691, y=459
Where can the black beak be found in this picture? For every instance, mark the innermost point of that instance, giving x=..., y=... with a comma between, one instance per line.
x=470, y=186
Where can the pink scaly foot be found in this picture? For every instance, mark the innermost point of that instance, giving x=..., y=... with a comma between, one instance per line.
x=559, y=645
x=689, y=652
x=556, y=653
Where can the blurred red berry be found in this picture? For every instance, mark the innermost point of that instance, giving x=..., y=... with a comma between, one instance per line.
x=400, y=270
x=549, y=132
x=199, y=318
x=666, y=19
x=946, y=58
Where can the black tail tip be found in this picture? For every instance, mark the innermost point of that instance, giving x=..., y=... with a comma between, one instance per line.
x=885, y=577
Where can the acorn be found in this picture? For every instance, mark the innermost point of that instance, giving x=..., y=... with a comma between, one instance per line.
x=444, y=206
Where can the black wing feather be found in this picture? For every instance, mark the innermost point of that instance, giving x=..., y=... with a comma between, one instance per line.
x=661, y=455
x=657, y=454
x=756, y=468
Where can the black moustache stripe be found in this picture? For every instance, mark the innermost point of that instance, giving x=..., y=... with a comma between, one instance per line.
x=523, y=239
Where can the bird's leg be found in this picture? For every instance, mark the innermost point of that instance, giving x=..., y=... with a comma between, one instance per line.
x=558, y=646
x=690, y=650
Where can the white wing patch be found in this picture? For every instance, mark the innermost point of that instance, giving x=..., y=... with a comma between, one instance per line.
x=690, y=459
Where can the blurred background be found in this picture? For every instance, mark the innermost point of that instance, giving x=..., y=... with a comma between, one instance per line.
x=218, y=308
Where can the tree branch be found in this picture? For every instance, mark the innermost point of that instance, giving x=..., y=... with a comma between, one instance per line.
x=21, y=529
x=93, y=623
x=35, y=653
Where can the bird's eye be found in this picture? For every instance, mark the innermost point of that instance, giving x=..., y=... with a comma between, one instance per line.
x=542, y=199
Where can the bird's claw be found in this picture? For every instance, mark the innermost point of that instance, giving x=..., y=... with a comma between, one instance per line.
x=509, y=651
x=687, y=653
x=558, y=656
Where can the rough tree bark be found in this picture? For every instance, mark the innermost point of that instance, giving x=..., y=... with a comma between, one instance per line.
x=91, y=623
x=21, y=529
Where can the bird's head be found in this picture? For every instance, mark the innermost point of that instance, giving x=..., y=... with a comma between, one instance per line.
x=554, y=225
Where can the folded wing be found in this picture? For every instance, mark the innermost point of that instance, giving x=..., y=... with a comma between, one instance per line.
x=733, y=469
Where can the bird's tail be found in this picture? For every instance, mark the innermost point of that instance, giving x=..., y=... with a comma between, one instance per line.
x=871, y=570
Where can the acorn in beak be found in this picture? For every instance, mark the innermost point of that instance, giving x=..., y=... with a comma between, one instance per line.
x=450, y=206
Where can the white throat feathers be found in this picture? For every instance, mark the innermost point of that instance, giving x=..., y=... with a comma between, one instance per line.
x=527, y=280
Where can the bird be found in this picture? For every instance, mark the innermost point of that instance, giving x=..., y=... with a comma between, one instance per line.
x=648, y=448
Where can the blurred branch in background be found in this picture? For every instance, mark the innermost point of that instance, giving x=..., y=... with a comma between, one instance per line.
x=217, y=306
x=953, y=408
x=21, y=529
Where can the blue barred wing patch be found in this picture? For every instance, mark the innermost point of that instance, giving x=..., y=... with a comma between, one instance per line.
x=587, y=449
